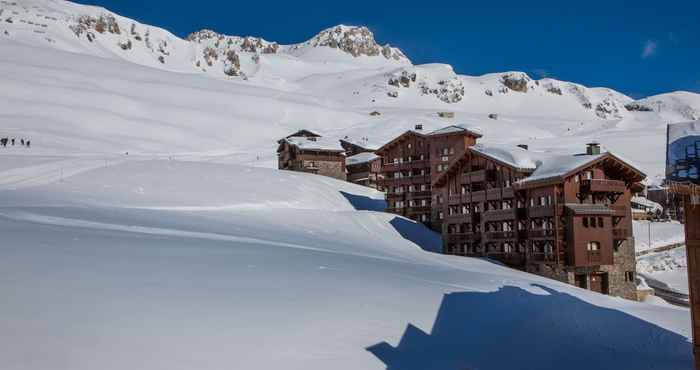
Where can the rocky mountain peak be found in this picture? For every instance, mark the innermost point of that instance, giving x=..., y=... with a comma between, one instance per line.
x=354, y=40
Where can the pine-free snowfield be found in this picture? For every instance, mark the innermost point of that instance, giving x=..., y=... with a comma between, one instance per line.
x=158, y=264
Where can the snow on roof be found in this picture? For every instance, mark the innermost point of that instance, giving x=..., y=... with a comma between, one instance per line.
x=511, y=155
x=319, y=143
x=559, y=165
x=363, y=142
x=646, y=203
x=361, y=158
x=456, y=128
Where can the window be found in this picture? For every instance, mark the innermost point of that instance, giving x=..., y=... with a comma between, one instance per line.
x=444, y=158
x=396, y=160
x=445, y=151
x=441, y=215
x=600, y=222
x=532, y=202
x=424, y=202
x=507, y=248
x=629, y=275
x=409, y=145
x=593, y=246
x=549, y=200
x=452, y=150
x=585, y=221
x=589, y=175
x=542, y=201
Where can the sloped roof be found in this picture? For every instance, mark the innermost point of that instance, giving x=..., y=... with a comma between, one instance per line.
x=304, y=133
x=542, y=166
x=320, y=143
x=474, y=131
x=364, y=143
x=398, y=139
x=559, y=165
x=361, y=158
x=513, y=156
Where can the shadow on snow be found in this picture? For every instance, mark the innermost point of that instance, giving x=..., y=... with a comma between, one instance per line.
x=412, y=231
x=363, y=203
x=515, y=329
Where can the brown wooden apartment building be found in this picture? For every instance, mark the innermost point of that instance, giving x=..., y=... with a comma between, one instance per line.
x=411, y=162
x=565, y=217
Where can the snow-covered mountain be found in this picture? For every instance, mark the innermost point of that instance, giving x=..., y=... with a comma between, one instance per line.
x=232, y=95
x=177, y=257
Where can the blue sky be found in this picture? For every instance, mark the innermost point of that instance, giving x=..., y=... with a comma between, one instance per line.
x=640, y=49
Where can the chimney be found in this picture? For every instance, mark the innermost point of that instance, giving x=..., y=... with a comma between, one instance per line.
x=593, y=148
x=524, y=146
x=419, y=127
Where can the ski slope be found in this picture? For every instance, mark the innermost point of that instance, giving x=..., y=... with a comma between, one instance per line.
x=166, y=264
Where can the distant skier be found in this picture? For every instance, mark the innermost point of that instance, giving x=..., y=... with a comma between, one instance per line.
x=21, y=141
x=28, y=143
x=13, y=141
x=3, y=141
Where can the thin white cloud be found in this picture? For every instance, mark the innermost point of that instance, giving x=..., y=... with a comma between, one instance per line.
x=650, y=47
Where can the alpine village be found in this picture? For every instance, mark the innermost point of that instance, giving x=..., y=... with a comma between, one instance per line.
x=565, y=217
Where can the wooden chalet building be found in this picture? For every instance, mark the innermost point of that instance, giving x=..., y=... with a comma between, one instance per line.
x=566, y=217
x=360, y=171
x=306, y=151
x=363, y=166
x=411, y=162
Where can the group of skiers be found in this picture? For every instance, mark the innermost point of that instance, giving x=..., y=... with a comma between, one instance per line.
x=4, y=141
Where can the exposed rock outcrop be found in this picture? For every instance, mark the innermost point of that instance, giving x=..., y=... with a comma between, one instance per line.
x=516, y=81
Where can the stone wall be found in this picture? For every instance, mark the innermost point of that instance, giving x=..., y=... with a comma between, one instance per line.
x=333, y=169
x=624, y=260
x=551, y=271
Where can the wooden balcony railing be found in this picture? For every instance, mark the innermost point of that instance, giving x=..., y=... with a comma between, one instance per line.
x=541, y=233
x=499, y=214
x=500, y=235
x=541, y=211
x=602, y=186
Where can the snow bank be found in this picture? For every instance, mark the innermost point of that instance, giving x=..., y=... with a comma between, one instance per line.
x=166, y=265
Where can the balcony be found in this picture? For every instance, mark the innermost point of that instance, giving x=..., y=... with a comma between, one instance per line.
x=499, y=214
x=543, y=211
x=541, y=233
x=418, y=194
x=474, y=176
x=456, y=199
x=541, y=257
x=602, y=186
x=497, y=235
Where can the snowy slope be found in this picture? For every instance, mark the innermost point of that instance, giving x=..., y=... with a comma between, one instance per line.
x=80, y=78
x=164, y=264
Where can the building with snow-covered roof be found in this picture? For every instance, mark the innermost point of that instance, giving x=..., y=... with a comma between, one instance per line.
x=566, y=217
x=306, y=151
x=363, y=169
x=411, y=161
